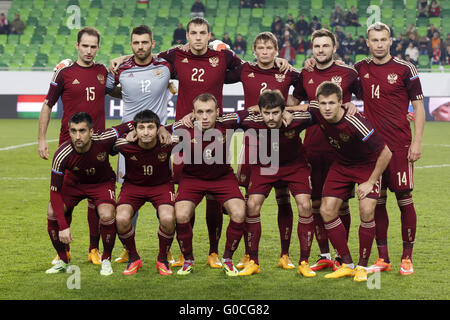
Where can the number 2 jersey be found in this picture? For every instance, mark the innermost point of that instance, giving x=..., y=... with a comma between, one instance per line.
x=387, y=89
x=82, y=89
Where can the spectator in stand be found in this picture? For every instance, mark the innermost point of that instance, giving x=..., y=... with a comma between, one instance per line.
x=347, y=60
x=413, y=52
x=179, y=35
x=397, y=40
x=408, y=59
x=423, y=13
x=423, y=4
x=424, y=46
x=337, y=17
x=302, y=46
x=435, y=9
x=301, y=26
x=17, y=26
x=348, y=44
x=351, y=18
x=447, y=40
x=226, y=39
x=447, y=55
x=246, y=3
x=431, y=30
x=198, y=9
x=411, y=30
x=288, y=34
x=4, y=26
x=361, y=46
x=278, y=32
x=399, y=50
x=290, y=22
x=277, y=21
x=288, y=52
x=240, y=45
x=314, y=25
x=258, y=3
x=436, y=45
x=340, y=35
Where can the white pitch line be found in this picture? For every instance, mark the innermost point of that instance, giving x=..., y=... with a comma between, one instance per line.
x=433, y=166
x=19, y=178
x=23, y=145
x=437, y=145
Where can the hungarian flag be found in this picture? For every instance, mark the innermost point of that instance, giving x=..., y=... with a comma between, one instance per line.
x=30, y=106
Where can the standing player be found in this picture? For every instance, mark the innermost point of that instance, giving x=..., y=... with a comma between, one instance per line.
x=147, y=178
x=292, y=170
x=388, y=84
x=361, y=157
x=81, y=86
x=143, y=83
x=256, y=78
x=319, y=152
x=209, y=175
x=86, y=156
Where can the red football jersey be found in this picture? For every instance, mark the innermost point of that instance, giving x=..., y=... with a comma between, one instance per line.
x=92, y=166
x=386, y=91
x=145, y=167
x=343, y=75
x=288, y=146
x=199, y=74
x=209, y=160
x=82, y=89
x=353, y=139
x=255, y=80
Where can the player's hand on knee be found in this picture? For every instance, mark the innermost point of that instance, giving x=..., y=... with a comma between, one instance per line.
x=65, y=236
x=364, y=189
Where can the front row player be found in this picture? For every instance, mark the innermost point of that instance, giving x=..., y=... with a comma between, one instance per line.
x=361, y=157
x=86, y=156
x=211, y=174
x=147, y=178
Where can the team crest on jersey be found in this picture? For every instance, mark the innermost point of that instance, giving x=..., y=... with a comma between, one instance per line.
x=214, y=61
x=162, y=156
x=101, y=156
x=337, y=80
x=344, y=137
x=158, y=72
x=101, y=78
x=290, y=134
x=392, y=78
x=280, y=77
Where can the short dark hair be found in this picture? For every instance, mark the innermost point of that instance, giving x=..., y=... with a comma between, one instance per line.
x=198, y=20
x=323, y=33
x=90, y=31
x=271, y=99
x=142, y=29
x=327, y=88
x=146, y=116
x=81, y=117
x=205, y=97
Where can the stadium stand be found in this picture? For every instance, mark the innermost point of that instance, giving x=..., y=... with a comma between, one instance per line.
x=49, y=35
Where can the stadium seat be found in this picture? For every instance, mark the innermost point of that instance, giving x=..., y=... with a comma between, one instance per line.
x=424, y=61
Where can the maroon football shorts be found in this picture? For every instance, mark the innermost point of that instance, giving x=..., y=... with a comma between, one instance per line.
x=136, y=196
x=398, y=176
x=320, y=165
x=194, y=189
x=297, y=176
x=341, y=180
x=99, y=193
x=248, y=153
x=177, y=167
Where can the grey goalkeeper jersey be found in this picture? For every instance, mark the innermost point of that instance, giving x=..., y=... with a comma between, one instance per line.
x=144, y=87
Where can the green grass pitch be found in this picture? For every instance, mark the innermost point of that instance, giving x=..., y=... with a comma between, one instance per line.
x=27, y=251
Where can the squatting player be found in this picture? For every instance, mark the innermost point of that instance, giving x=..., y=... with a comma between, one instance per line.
x=86, y=156
x=361, y=157
x=292, y=170
x=147, y=178
x=211, y=174
x=81, y=86
x=388, y=84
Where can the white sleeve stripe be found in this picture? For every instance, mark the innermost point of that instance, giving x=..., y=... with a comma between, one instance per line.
x=358, y=125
